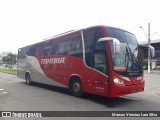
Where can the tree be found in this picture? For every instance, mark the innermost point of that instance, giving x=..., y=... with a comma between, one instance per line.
x=10, y=59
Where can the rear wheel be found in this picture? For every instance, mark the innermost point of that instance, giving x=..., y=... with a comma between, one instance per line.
x=28, y=79
x=76, y=88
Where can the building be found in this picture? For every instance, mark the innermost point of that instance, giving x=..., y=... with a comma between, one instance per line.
x=155, y=61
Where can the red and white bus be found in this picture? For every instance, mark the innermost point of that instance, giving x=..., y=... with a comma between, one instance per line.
x=99, y=60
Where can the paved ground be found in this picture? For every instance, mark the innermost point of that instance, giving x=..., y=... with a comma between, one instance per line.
x=16, y=95
x=153, y=72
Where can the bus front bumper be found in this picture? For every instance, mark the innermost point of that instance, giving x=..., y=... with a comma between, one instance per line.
x=120, y=90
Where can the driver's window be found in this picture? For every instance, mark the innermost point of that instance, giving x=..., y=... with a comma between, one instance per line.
x=100, y=62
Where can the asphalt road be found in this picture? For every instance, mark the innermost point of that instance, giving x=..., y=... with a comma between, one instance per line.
x=15, y=95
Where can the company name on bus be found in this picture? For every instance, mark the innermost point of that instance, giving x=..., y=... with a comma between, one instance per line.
x=52, y=60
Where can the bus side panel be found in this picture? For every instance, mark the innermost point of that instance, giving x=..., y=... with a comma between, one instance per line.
x=21, y=68
x=88, y=76
x=75, y=66
x=61, y=72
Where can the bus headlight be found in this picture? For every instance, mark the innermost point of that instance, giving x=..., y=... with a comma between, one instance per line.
x=118, y=81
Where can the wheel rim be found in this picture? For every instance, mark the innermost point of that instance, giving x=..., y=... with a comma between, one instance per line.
x=76, y=87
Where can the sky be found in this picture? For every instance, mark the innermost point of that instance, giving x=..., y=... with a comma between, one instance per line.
x=24, y=22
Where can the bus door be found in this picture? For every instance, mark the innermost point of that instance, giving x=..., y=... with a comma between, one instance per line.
x=99, y=73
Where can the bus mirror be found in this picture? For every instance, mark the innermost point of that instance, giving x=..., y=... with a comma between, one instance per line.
x=116, y=43
x=152, y=50
x=106, y=39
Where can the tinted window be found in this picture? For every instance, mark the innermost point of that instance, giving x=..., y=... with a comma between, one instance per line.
x=76, y=45
x=100, y=46
x=46, y=51
x=31, y=51
x=131, y=39
x=110, y=32
x=64, y=47
x=119, y=35
x=100, y=57
x=100, y=61
x=53, y=49
x=22, y=52
x=91, y=37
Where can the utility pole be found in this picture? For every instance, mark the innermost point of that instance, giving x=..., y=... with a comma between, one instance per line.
x=149, y=48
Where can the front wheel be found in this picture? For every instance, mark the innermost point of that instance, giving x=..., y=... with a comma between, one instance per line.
x=28, y=79
x=76, y=88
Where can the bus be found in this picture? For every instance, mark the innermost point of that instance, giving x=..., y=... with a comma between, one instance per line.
x=99, y=60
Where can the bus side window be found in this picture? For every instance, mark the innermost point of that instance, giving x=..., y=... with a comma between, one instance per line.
x=22, y=52
x=53, y=49
x=88, y=41
x=46, y=51
x=76, y=44
x=91, y=37
x=64, y=47
x=32, y=51
x=76, y=48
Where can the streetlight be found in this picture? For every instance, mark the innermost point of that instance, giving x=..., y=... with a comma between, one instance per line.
x=149, y=40
x=144, y=32
x=148, y=45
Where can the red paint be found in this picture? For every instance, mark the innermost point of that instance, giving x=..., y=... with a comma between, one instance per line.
x=62, y=71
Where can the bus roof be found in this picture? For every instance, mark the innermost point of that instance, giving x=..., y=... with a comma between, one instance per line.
x=69, y=32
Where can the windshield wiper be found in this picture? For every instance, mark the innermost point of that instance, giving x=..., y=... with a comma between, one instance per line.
x=128, y=59
x=134, y=58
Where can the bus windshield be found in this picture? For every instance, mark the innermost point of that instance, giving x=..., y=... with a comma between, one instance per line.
x=128, y=61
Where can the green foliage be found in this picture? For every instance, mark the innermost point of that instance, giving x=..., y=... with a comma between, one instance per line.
x=9, y=59
x=9, y=71
x=145, y=63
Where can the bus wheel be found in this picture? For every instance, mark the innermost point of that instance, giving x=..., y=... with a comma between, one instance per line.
x=76, y=88
x=28, y=79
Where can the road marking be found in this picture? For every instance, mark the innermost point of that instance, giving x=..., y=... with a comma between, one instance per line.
x=4, y=92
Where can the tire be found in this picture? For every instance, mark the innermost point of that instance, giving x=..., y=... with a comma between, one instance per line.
x=76, y=88
x=28, y=79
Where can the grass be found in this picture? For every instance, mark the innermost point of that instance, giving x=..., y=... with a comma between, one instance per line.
x=9, y=71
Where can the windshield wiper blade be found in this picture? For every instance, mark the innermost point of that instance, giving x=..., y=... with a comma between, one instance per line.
x=127, y=61
x=134, y=58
